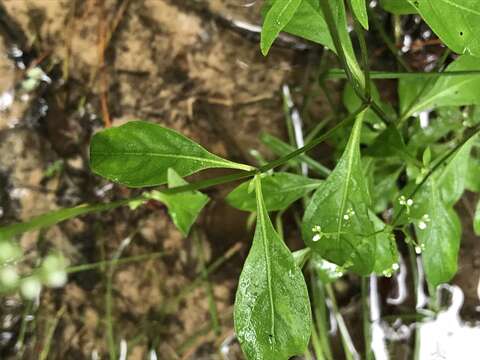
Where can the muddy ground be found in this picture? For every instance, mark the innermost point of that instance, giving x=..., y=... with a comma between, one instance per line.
x=188, y=65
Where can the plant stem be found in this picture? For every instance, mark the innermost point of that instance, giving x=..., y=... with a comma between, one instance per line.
x=320, y=314
x=392, y=75
x=100, y=264
x=350, y=352
x=435, y=167
x=386, y=39
x=367, y=327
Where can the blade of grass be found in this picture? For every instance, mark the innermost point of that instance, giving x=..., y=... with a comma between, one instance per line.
x=122, y=261
x=393, y=75
x=50, y=331
x=212, y=306
x=348, y=347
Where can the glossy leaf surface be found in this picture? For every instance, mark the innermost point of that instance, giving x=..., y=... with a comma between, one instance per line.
x=277, y=17
x=439, y=233
x=451, y=180
x=309, y=23
x=398, y=7
x=359, y=8
x=443, y=91
x=272, y=309
x=386, y=255
x=279, y=189
x=336, y=223
x=183, y=207
x=456, y=22
x=140, y=153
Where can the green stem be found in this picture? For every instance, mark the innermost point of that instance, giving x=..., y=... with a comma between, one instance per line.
x=100, y=264
x=392, y=75
x=408, y=112
x=386, y=39
x=435, y=167
x=367, y=328
x=350, y=352
x=320, y=314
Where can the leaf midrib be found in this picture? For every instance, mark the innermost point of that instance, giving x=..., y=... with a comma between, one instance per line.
x=427, y=102
x=461, y=7
x=347, y=181
x=261, y=214
x=176, y=156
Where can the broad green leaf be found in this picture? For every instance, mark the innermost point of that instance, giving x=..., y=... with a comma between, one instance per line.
x=336, y=223
x=359, y=8
x=272, y=310
x=139, y=154
x=54, y=217
x=439, y=234
x=276, y=19
x=386, y=256
x=388, y=143
x=451, y=180
x=309, y=23
x=281, y=148
x=280, y=191
x=476, y=220
x=440, y=124
x=398, y=7
x=443, y=91
x=456, y=22
x=472, y=180
x=183, y=207
x=383, y=186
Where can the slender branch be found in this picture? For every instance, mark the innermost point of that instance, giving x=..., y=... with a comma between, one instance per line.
x=437, y=166
x=389, y=75
x=386, y=39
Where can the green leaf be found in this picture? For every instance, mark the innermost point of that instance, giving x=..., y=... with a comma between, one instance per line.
x=309, y=23
x=386, y=256
x=444, y=91
x=139, y=154
x=384, y=184
x=451, y=180
x=476, y=220
x=472, y=180
x=336, y=223
x=359, y=8
x=388, y=143
x=276, y=19
x=54, y=217
x=280, y=191
x=272, y=310
x=183, y=207
x=460, y=32
x=439, y=234
x=398, y=7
